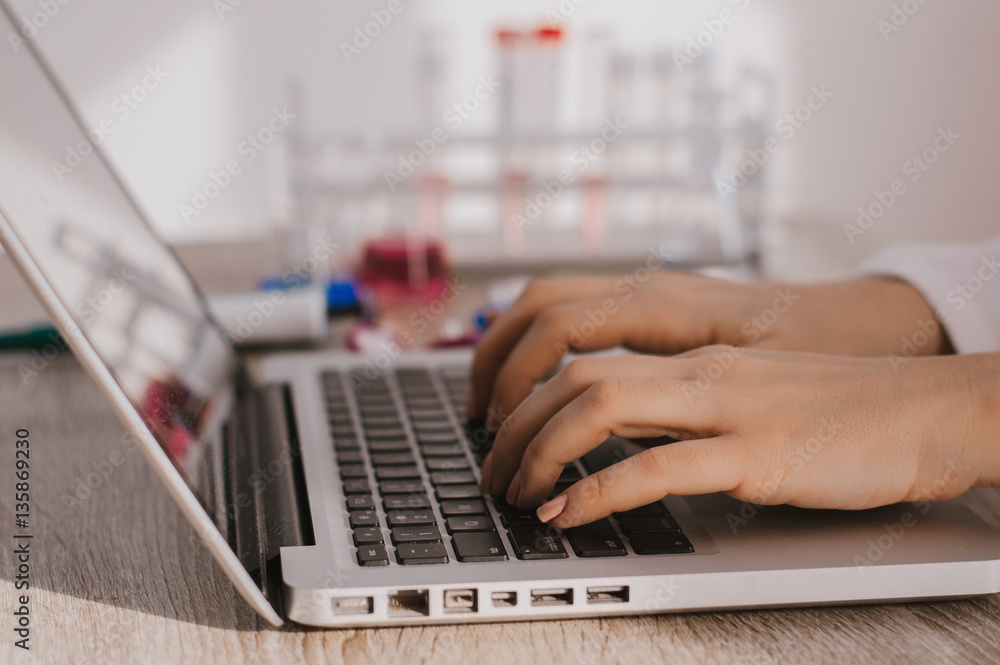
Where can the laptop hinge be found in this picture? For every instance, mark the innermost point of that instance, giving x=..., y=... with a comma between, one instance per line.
x=267, y=486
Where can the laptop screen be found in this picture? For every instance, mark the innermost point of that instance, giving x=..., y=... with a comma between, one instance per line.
x=129, y=296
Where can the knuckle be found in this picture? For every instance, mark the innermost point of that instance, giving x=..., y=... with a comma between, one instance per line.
x=606, y=394
x=554, y=317
x=538, y=289
x=578, y=371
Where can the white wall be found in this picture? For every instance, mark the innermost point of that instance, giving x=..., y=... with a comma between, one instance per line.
x=891, y=95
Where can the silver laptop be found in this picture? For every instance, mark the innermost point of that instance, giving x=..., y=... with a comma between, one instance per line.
x=336, y=492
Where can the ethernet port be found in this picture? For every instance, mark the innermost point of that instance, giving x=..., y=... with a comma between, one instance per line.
x=413, y=603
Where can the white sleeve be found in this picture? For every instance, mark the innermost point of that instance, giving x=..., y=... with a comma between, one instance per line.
x=960, y=281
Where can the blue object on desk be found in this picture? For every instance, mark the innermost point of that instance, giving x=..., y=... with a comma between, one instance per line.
x=341, y=295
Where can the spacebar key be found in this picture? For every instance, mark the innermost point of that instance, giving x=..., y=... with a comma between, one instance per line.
x=537, y=541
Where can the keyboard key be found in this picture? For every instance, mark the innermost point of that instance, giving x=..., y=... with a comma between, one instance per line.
x=386, y=411
x=424, y=403
x=446, y=463
x=511, y=516
x=457, y=507
x=662, y=542
x=385, y=433
x=389, y=445
x=407, y=517
x=428, y=415
x=401, y=487
x=655, y=508
x=422, y=427
x=569, y=475
x=470, y=523
x=437, y=437
x=341, y=430
x=353, y=471
x=452, y=477
x=595, y=539
x=381, y=421
x=364, y=518
x=360, y=502
x=357, y=486
x=403, y=457
x=537, y=542
x=373, y=555
x=440, y=449
x=415, y=534
x=396, y=472
x=658, y=523
x=346, y=444
x=421, y=553
x=445, y=492
x=478, y=546
x=349, y=457
x=368, y=535
x=403, y=501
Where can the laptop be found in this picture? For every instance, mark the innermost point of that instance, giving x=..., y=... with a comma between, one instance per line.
x=338, y=492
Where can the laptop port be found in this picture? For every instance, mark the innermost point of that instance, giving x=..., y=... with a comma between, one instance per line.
x=355, y=605
x=409, y=604
x=541, y=597
x=504, y=598
x=607, y=594
x=460, y=600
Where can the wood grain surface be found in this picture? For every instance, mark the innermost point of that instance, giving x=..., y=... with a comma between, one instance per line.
x=118, y=578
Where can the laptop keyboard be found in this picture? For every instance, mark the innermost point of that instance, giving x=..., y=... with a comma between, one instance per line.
x=406, y=462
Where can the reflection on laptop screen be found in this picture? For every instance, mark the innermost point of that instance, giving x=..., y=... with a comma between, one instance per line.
x=130, y=298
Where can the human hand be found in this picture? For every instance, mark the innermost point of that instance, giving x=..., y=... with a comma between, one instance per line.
x=808, y=430
x=666, y=312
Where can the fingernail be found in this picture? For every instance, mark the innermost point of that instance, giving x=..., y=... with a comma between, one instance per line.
x=486, y=482
x=552, y=509
x=514, y=489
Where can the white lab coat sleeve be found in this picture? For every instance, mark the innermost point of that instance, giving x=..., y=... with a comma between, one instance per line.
x=961, y=282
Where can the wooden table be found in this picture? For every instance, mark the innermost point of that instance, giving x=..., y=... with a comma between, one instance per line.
x=116, y=576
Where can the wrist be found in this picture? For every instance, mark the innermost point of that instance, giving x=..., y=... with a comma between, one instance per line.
x=870, y=316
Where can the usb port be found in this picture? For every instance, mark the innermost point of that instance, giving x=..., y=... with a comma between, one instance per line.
x=355, y=605
x=460, y=600
x=607, y=594
x=540, y=597
x=504, y=598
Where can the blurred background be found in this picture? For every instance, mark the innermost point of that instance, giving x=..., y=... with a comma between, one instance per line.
x=755, y=133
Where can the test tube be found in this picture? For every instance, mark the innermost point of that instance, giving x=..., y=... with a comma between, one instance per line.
x=545, y=71
x=512, y=180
